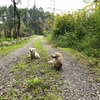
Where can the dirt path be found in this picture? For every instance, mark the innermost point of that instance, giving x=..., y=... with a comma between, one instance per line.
x=79, y=84
x=8, y=61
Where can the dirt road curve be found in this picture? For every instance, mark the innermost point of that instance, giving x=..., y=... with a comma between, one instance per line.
x=79, y=84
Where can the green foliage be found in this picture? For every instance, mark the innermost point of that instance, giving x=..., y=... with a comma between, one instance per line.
x=33, y=82
x=48, y=26
x=51, y=96
x=18, y=22
x=80, y=31
x=26, y=97
x=3, y=39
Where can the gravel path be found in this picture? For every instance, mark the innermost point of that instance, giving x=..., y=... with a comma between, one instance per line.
x=79, y=84
x=8, y=61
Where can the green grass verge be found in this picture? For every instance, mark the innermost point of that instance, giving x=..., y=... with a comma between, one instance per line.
x=4, y=50
x=91, y=63
x=35, y=79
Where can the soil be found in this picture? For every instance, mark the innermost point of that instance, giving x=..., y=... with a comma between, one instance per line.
x=78, y=80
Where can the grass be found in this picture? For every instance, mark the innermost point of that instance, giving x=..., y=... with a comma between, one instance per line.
x=91, y=63
x=4, y=50
x=35, y=79
x=75, y=54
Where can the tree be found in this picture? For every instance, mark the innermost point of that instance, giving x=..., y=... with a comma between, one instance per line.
x=36, y=19
x=10, y=21
x=48, y=23
x=0, y=21
x=25, y=16
x=16, y=12
x=4, y=20
x=94, y=1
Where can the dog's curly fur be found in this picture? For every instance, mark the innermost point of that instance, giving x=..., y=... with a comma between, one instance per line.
x=57, y=60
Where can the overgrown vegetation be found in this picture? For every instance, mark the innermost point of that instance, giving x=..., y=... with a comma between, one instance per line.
x=79, y=31
x=35, y=79
x=4, y=50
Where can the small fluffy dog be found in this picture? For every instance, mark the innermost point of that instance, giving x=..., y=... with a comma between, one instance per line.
x=57, y=61
x=33, y=53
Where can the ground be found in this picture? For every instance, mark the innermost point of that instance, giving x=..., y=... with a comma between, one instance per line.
x=78, y=80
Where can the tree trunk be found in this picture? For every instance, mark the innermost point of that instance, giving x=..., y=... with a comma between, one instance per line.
x=5, y=33
x=9, y=34
x=0, y=34
x=18, y=16
x=18, y=28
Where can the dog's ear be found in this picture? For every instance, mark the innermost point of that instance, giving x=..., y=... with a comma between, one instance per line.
x=34, y=49
x=30, y=49
x=57, y=54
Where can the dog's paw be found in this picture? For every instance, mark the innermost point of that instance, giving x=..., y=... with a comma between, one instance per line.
x=50, y=62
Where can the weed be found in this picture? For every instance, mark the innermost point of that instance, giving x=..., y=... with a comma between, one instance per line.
x=26, y=97
x=33, y=82
x=15, y=83
x=51, y=96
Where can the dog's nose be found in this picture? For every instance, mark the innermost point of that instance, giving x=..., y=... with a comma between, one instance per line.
x=52, y=56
